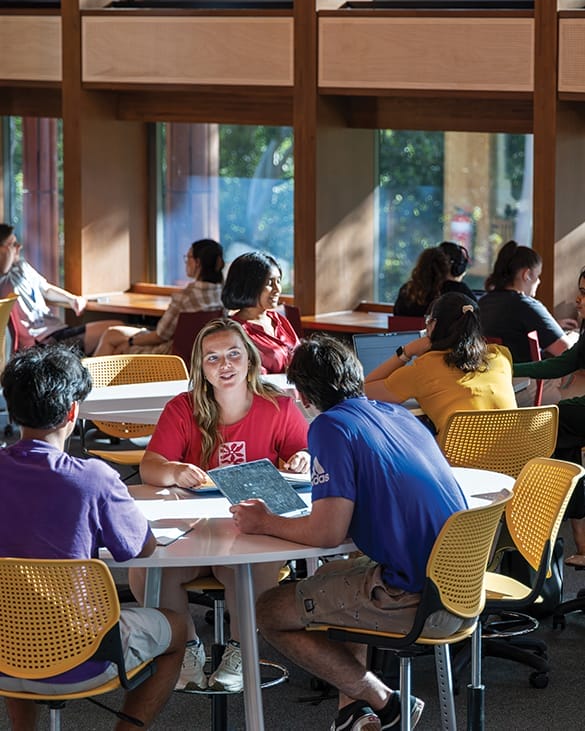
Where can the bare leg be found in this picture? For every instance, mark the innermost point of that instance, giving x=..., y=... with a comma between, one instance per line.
x=172, y=594
x=265, y=577
x=106, y=341
x=146, y=701
x=93, y=332
x=280, y=624
x=23, y=714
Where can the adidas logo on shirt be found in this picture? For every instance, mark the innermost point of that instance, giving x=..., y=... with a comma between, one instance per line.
x=318, y=474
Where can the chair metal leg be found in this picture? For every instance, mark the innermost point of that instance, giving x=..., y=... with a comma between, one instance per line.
x=218, y=700
x=476, y=690
x=445, y=685
x=404, y=694
x=55, y=719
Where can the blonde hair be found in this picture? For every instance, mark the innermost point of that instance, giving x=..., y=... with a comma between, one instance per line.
x=206, y=410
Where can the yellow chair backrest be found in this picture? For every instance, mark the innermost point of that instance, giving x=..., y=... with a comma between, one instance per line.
x=540, y=497
x=458, y=561
x=503, y=440
x=117, y=370
x=6, y=304
x=53, y=614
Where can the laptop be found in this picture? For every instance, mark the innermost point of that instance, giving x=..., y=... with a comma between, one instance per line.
x=259, y=479
x=372, y=349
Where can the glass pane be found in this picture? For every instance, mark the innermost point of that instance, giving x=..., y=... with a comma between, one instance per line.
x=474, y=189
x=33, y=203
x=234, y=183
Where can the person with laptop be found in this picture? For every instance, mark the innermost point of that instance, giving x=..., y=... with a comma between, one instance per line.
x=56, y=506
x=378, y=477
x=510, y=310
x=229, y=417
x=454, y=368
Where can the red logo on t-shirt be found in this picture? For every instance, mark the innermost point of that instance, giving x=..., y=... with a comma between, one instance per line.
x=231, y=453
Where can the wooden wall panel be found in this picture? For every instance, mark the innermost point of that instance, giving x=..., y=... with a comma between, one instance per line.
x=31, y=48
x=572, y=55
x=545, y=145
x=474, y=54
x=188, y=50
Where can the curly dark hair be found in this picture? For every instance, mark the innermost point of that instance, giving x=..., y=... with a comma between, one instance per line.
x=430, y=272
x=41, y=384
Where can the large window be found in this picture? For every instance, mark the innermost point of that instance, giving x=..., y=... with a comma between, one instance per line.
x=475, y=189
x=233, y=183
x=33, y=190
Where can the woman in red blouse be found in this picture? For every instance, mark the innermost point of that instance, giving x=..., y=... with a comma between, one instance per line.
x=252, y=289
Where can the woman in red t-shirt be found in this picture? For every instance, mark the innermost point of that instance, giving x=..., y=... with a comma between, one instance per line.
x=229, y=417
x=252, y=289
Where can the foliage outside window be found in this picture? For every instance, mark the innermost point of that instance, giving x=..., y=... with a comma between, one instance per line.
x=238, y=187
x=470, y=188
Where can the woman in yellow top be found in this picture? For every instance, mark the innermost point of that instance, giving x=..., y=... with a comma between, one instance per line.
x=454, y=368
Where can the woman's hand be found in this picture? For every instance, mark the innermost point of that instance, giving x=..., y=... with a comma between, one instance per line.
x=299, y=462
x=418, y=347
x=189, y=475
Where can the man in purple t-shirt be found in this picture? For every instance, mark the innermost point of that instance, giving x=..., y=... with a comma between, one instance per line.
x=58, y=506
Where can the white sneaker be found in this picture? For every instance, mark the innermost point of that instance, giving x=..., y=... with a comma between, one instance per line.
x=228, y=675
x=192, y=675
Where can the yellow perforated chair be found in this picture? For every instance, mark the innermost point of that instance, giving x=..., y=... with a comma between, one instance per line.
x=455, y=578
x=502, y=440
x=54, y=616
x=6, y=305
x=533, y=517
x=116, y=370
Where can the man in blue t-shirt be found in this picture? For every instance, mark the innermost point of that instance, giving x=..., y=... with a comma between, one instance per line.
x=58, y=506
x=379, y=477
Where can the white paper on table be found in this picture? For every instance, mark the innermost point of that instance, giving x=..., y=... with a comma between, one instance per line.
x=167, y=530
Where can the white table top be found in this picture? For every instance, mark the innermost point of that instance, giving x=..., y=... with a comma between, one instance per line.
x=142, y=403
x=215, y=538
x=217, y=541
x=481, y=487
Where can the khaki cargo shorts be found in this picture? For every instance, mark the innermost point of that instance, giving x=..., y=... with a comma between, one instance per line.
x=352, y=593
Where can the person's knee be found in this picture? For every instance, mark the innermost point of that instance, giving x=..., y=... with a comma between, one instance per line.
x=265, y=607
x=275, y=607
x=179, y=628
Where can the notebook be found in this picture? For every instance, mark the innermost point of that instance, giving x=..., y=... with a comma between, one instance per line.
x=259, y=479
x=374, y=348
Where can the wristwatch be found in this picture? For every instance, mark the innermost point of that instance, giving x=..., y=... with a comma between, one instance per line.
x=402, y=355
x=131, y=340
